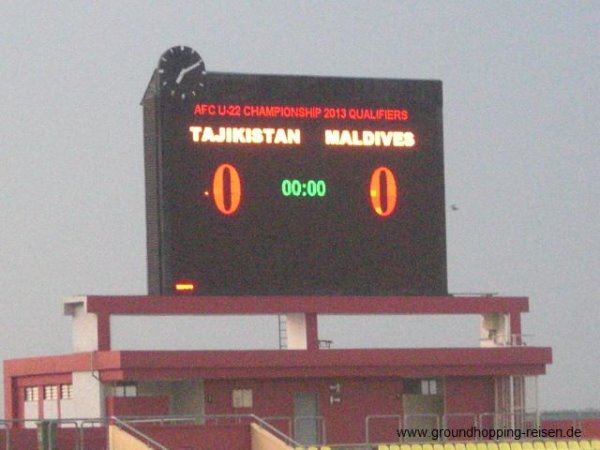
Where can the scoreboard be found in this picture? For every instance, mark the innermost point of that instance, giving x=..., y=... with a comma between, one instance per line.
x=292, y=185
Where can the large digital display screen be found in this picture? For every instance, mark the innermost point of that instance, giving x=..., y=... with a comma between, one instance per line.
x=293, y=185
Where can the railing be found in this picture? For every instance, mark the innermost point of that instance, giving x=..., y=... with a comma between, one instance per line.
x=216, y=418
x=137, y=434
x=446, y=418
x=80, y=425
x=74, y=425
x=287, y=419
x=292, y=423
x=518, y=420
x=525, y=419
x=87, y=424
x=287, y=439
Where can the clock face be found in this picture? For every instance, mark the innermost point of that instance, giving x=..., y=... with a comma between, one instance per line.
x=181, y=72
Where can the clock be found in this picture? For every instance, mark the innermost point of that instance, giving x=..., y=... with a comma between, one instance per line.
x=299, y=188
x=181, y=72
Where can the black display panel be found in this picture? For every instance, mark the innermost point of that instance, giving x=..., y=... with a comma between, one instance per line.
x=293, y=185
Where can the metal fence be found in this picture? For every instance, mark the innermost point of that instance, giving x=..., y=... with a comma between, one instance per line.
x=79, y=426
x=284, y=427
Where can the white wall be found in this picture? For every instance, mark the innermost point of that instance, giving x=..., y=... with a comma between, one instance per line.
x=88, y=397
x=84, y=325
x=30, y=411
x=50, y=409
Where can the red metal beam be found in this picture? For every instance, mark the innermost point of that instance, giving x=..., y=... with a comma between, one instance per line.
x=193, y=305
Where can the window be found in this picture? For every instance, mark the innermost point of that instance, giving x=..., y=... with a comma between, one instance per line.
x=31, y=394
x=66, y=391
x=126, y=390
x=50, y=392
x=422, y=386
x=242, y=398
x=429, y=387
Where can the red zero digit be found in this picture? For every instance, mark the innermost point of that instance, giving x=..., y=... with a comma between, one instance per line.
x=227, y=189
x=383, y=191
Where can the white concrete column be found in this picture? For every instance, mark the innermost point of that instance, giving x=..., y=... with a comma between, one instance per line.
x=84, y=326
x=296, y=332
x=88, y=396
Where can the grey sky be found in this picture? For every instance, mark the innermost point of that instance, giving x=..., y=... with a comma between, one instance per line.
x=521, y=114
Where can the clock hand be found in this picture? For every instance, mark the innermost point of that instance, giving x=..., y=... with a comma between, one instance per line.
x=186, y=70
